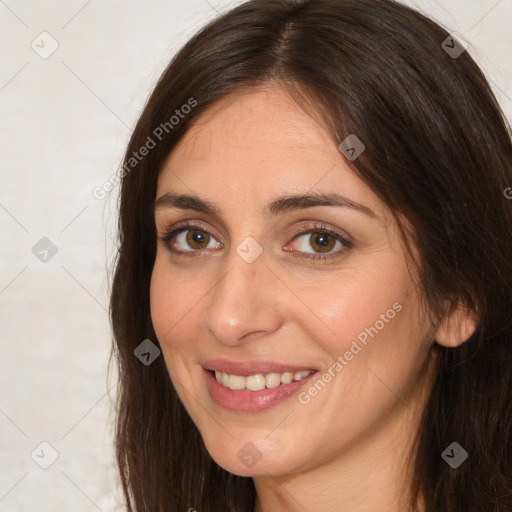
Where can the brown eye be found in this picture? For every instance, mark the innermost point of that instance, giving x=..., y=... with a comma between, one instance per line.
x=322, y=242
x=189, y=240
x=197, y=238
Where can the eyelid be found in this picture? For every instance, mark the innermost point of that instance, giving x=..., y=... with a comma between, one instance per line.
x=318, y=226
x=185, y=225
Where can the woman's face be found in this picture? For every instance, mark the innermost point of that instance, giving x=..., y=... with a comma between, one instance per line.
x=261, y=286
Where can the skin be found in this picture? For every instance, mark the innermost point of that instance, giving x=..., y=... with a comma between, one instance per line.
x=347, y=448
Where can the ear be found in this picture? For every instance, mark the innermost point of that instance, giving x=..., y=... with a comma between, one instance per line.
x=458, y=326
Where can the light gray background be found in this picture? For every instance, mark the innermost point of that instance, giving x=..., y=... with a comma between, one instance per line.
x=65, y=121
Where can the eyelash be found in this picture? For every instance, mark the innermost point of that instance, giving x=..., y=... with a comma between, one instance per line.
x=320, y=228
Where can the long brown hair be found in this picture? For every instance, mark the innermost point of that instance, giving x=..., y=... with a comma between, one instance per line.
x=438, y=153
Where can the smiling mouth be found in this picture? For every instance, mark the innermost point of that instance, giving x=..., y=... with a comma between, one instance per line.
x=258, y=381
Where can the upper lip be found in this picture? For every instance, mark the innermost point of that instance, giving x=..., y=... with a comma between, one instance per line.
x=246, y=368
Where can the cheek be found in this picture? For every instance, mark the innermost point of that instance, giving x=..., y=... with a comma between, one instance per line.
x=345, y=309
x=162, y=305
x=379, y=347
x=371, y=333
x=174, y=303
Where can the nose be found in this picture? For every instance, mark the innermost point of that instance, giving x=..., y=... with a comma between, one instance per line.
x=244, y=302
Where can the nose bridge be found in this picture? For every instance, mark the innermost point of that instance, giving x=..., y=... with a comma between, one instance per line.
x=241, y=300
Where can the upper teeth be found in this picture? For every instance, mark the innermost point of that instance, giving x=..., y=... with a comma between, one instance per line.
x=259, y=381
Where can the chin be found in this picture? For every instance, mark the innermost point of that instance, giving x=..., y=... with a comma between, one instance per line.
x=251, y=459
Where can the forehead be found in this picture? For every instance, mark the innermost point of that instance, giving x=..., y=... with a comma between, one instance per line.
x=256, y=145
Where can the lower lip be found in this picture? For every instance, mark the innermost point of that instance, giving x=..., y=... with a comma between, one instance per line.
x=251, y=401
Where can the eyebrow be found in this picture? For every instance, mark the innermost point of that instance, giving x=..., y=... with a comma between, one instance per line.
x=280, y=205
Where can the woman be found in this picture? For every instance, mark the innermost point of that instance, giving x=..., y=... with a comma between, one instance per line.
x=312, y=300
